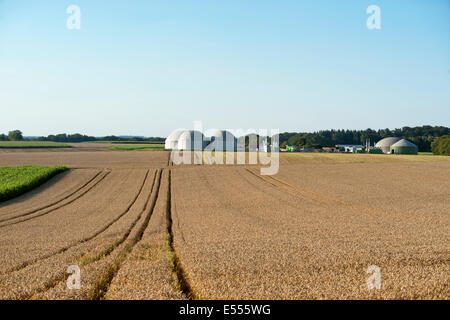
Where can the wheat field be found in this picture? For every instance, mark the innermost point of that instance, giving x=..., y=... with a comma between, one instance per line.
x=140, y=227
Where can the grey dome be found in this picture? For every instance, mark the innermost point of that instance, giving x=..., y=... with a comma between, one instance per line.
x=404, y=143
x=404, y=147
x=386, y=143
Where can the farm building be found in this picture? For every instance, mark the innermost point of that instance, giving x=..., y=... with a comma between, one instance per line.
x=172, y=140
x=219, y=140
x=191, y=140
x=386, y=143
x=354, y=148
x=223, y=140
x=195, y=140
x=404, y=147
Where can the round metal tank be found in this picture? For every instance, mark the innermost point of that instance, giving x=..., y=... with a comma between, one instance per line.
x=386, y=143
x=191, y=140
x=224, y=140
x=404, y=147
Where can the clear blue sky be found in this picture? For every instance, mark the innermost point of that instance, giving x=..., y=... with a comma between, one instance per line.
x=148, y=67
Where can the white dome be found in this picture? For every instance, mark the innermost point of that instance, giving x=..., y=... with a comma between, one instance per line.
x=172, y=139
x=191, y=140
x=223, y=140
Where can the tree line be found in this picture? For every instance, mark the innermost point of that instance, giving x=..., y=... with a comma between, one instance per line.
x=421, y=136
x=17, y=135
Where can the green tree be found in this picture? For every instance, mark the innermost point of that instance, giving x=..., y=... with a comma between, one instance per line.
x=441, y=146
x=15, y=135
x=3, y=137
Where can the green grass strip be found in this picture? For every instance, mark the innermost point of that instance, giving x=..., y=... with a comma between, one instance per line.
x=138, y=147
x=31, y=144
x=15, y=181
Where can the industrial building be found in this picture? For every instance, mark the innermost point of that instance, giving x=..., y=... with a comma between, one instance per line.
x=195, y=140
x=223, y=140
x=220, y=140
x=354, y=148
x=191, y=140
x=395, y=145
x=404, y=147
x=386, y=143
x=172, y=140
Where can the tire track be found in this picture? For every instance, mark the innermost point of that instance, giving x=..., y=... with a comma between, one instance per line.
x=61, y=206
x=317, y=194
x=103, y=254
x=53, y=203
x=178, y=272
x=320, y=197
x=92, y=236
x=290, y=189
x=169, y=160
x=100, y=288
x=110, y=249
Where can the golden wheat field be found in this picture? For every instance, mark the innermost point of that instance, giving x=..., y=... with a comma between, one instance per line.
x=140, y=227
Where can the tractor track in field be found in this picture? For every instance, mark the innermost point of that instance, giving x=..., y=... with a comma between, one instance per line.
x=103, y=254
x=100, y=288
x=111, y=248
x=53, y=203
x=319, y=198
x=178, y=272
x=92, y=236
x=58, y=207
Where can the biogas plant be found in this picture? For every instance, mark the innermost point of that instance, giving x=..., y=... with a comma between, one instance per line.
x=394, y=145
x=219, y=140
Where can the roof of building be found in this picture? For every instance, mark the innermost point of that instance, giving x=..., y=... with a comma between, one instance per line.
x=403, y=143
x=191, y=134
x=175, y=135
x=387, y=142
x=223, y=134
x=349, y=146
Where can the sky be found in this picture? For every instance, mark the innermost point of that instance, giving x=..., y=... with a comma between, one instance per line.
x=148, y=67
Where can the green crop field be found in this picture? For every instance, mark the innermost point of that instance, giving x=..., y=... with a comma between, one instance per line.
x=138, y=147
x=15, y=181
x=31, y=144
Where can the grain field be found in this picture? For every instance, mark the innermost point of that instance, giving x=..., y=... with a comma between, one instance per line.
x=140, y=227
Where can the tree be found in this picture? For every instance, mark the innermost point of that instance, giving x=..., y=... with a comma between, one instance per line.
x=441, y=145
x=15, y=135
x=3, y=137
